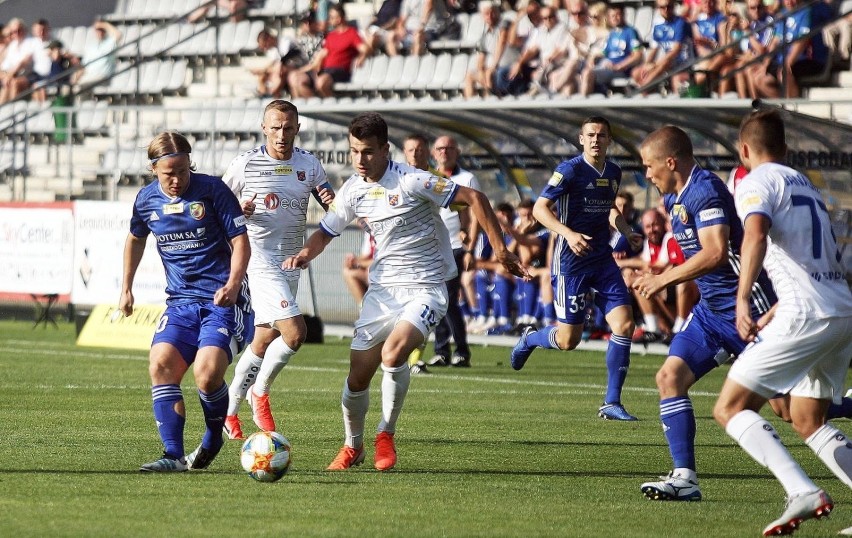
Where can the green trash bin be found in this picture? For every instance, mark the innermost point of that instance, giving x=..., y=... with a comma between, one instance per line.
x=60, y=118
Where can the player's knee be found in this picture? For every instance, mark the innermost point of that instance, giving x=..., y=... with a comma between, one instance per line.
x=568, y=342
x=723, y=413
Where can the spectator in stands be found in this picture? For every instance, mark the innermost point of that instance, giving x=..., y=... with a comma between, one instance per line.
x=621, y=52
x=270, y=76
x=545, y=50
x=582, y=37
x=672, y=47
x=99, y=57
x=731, y=33
x=489, y=52
x=419, y=23
x=706, y=34
x=16, y=69
x=298, y=52
x=795, y=58
x=60, y=62
x=761, y=32
x=343, y=48
x=380, y=32
x=527, y=18
x=838, y=34
x=236, y=10
x=40, y=34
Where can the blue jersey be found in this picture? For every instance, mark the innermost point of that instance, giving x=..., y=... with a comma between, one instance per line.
x=668, y=34
x=620, y=43
x=192, y=233
x=584, y=198
x=708, y=25
x=706, y=201
x=799, y=24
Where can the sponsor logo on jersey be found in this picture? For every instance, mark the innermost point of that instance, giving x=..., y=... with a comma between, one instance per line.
x=285, y=170
x=196, y=210
x=265, y=173
x=439, y=185
x=154, y=216
x=748, y=202
x=271, y=201
x=710, y=214
x=240, y=221
x=393, y=199
x=679, y=212
x=200, y=232
x=285, y=303
x=555, y=179
x=428, y=184
x=376, y=193
x=602, y=182
x=172, y=209
x=300, y=175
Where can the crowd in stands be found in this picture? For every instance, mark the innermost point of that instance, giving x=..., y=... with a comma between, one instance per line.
x=561, y=47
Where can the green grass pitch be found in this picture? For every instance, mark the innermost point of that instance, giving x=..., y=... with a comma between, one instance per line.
x=484, y=451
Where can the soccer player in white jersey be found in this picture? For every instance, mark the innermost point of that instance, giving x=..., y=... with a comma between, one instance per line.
x=274, y=182
x=805, y=347
x=407, y=293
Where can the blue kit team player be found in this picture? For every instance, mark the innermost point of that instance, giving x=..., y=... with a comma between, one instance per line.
x=583, y=189
x=201, y=237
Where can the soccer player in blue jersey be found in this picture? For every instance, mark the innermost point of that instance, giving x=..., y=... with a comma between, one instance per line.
x=201, y=237
x=583, y=190
x=705, y=225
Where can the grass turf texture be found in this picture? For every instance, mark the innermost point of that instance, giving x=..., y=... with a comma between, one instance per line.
x=484, y=451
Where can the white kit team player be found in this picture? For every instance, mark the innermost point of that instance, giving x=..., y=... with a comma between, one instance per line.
x=407, y=294
x=274, y=183
x=804, y=349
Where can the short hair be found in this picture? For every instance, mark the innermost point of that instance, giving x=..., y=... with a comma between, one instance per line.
x=763, y=131
x=340, y=11
x=168, y=143
x=282, y=106
x=505, y=207
x=419, y=137
x=368, y=124
x=672, y=140
x=596, y=120
x=526, y=203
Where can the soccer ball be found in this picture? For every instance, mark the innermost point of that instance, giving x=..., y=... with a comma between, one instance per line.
x=266, y=456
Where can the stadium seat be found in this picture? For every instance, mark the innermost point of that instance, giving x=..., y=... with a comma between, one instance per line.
x=407, y=75
x=425, y=73
x=360, y=77
x=440, y=74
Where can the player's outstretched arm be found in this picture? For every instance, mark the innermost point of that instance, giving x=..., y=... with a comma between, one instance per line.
x=752, y=253
x=134, y=248
x=314, y=246
x=484, y=214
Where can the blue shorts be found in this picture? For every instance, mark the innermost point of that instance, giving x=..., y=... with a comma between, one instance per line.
x=703, y=334
x=191, y=326
x=569, y=292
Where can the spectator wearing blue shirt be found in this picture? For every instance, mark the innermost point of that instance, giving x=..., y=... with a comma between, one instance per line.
x=671, y=48
x=621, y=53
x=754, y=80
x=708, y=33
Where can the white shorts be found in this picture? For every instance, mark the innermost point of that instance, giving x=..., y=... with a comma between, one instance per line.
x=273, y=298
x=384, y=307
x=805, y=358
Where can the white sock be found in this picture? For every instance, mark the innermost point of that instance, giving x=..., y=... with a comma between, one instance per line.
x=245, y=373
x=835, y=450
x=758, y=438
x=274, y=360
x=395, y=383
x=355, y=405
x=651, y=323
x=678, y=324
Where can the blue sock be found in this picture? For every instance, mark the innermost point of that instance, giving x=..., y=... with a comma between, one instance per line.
x=545, y=338
x=549, y=311
x=465, y=308
x=678, y=420
x=843, y=410
x=530, y=303
x=215, y=407
x=482, y=282
x=169, y=422
x=617, y=362
x=502, y=297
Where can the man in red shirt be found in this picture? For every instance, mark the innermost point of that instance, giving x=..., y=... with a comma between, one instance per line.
x=333, y=62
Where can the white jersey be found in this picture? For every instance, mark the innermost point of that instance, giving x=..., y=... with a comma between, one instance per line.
x=283, y=188
x=412, y=244
x=451, y=218
x=801, y=257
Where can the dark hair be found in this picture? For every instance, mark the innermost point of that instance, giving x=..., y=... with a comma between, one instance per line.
x=670, y=141
x=340, y=11
x=763, y=131
x=597, y=120
x=420, y=137
x=626, y=195
x=368, y=124
x=526, y=202
x=282, y=106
